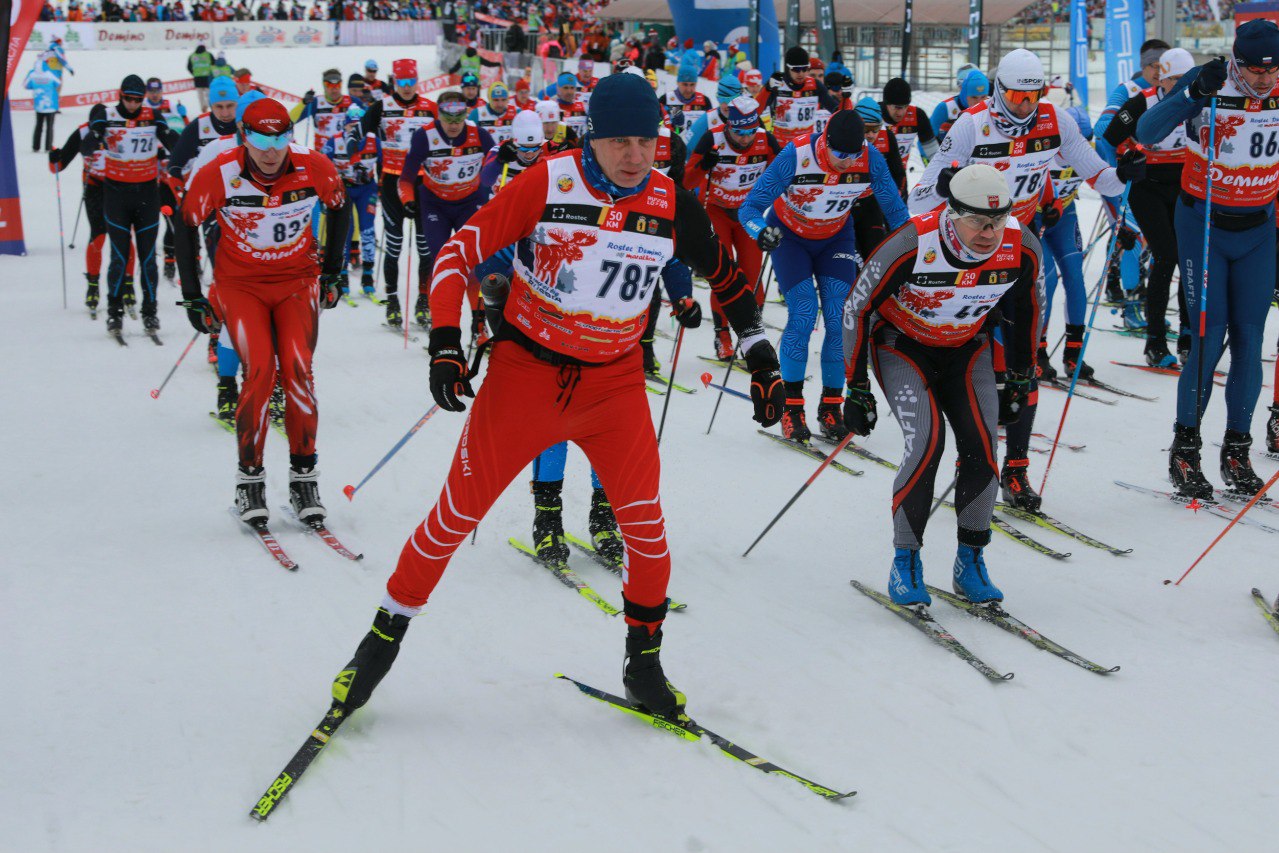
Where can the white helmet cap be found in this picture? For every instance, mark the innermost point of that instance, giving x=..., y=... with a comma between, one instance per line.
x=527, y=129
x=1175, y=62
x=548, y=111
x=979, y=188
x=1021, y=70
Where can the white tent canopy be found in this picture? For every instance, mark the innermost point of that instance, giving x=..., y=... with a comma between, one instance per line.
x=846, y=11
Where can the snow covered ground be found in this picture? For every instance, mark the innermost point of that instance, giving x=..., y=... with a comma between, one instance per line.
x=161, y=669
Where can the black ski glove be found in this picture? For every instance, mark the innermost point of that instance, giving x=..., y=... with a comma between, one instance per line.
x=1127, y=238
x=449, y=382
x=1050, y=215
x=687, y=312
x=1014, y=396
x=506, y=152
x=331, y=289
x=410, y=209
x=1132, y=167
x=200, y=314
x=770, y=237
x=767, y=392
x=943, y=180
x=860, y=414
x=1212, y=76
x=308, y=97
x=710, y=159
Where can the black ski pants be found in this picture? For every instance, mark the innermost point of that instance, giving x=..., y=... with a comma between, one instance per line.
x=132, y=212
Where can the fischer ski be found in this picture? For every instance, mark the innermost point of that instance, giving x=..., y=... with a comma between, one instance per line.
x=1106, y=386
x=589, y=550
x=566, y=576
x=1272, y=616
x=923, y=620
x=264, y=535
x=684, y=727
x=1211, y=506
x=859, y=452
x=321, y=531
x=1065, y=386
x=1046, y=521
x=301, y=760
x=811, y=452
x=229, y=426
x=664, y=381
x=995, y=614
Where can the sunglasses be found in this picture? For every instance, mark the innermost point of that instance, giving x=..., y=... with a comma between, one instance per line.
x=800, y=69
x=333, y=84
x=1023, y=96
x=131, y=99
x=528, y=149
x=405, y=82
x=839, y=155
x=981, y=221
x=1261, y=69
x=268, y=141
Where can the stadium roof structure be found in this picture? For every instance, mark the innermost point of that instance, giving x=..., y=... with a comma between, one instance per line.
x=846, y=11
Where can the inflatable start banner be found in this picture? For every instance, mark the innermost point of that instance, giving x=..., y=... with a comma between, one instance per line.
x=18, y=29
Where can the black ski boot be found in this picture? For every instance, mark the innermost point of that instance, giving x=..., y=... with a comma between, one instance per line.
x=651, y=364
x=1114, y=287
x=1272, y=430
x=170, y=268
x=373, y=658
x=115, y=315
x=794, y=421
x=304, y=492
x=228, y=398
x=422, y=311
x=1047, y=373
x=548, y=522
x=91, y=294
x=602, y=525
x=130, y=299
x=1236, y=468
x=1015, y=486
x=1157, y=354
x=642, y=675
x=366, y=278
x=150, y=320
x=830, y=415
x=250, y=495
x=1074, y=346
x=393, y=315
x=1184, y=466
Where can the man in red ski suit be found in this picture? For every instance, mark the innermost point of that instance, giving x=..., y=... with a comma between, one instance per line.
x=594, y=229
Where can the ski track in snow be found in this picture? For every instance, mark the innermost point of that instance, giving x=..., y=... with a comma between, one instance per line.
x=165, y=669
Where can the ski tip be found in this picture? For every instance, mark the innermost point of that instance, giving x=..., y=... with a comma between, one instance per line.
x=349, y=491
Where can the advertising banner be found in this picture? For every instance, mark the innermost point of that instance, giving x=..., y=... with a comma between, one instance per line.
x=156, y=35
x=1125, y=31
x=1079, y=49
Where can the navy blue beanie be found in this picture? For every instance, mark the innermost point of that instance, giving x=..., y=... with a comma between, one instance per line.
x=1257, y=43
x=623, y=105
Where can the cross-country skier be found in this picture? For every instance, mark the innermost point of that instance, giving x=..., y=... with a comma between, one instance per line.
x=922, y=316
x=1021, y=136
x=909, y=123
x=974, y=89
x=685, y=105
x=1154, y=201
x=792, y=96
x=495, y=117
x=595, y=228
x=268, y=296
x=393, y=118
x=1241, y=242
x=802, y=211
x=730, y=158
x=1057, y=225
x=559, y=136
x=356, y=157
x=883, y=139
x=131, y=136
x=441, y=183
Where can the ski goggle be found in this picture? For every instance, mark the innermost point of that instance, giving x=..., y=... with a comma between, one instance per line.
x=406, y=82
x=1260, y=69
x=528, y=149
x=799, y=69
x=453, y=111
x=840, y=155
x=1022, y=96
x=333, y=84
x=268, y=141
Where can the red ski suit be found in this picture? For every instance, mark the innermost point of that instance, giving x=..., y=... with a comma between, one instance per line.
x=566, y=365
x=266, y=289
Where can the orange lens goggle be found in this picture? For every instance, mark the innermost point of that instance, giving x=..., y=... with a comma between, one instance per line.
x=1023, y=96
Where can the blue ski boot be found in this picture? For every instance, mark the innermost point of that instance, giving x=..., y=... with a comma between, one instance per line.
x=971, y=580
x=906, y=579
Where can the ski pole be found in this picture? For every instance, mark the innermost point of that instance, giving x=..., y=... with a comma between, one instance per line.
x=820, y=468
x=1203, y=291
x=1239, y=515
x=155, y=392
x=1092, y=318
x=62, y=237
x=732, y=359
x=670, y=383
x=723, y=389
x=408, y=280
x=76, y=228
x=350, y=491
